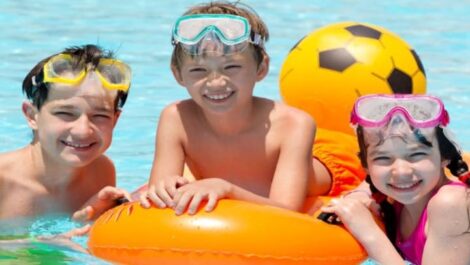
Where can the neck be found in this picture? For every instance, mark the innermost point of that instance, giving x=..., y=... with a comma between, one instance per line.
x=230, y=123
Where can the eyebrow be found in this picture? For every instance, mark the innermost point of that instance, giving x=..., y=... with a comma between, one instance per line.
x=64, y=107
x=419, y=146
x=377, y=152
x=414, y=148
x=72, y=107
x=103, y=109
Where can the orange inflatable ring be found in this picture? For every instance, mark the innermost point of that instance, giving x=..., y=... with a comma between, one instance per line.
x=235, y=232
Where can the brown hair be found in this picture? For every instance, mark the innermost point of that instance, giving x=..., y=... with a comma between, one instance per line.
x=222, y=7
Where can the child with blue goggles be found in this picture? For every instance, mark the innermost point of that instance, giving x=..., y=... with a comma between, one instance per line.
x=236, y=145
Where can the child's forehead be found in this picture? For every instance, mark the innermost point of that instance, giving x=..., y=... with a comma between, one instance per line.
x=90, y=90
x=413, y=139
x=217, y=57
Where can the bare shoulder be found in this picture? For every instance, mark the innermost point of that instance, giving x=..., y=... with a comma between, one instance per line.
x=179, y=108
x=13, y=161
x=178, y=119
x=179, y=113
x=12, y=165
x=292, y=118
x=6, y=159
x=448, y=210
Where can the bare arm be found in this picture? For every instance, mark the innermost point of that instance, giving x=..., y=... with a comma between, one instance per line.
x=359, y=221
x=320, y=179
x=448, y=234
x=168, y=163
x=291, y=178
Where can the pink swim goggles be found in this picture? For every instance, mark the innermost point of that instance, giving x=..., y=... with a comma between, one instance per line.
x=421, y=111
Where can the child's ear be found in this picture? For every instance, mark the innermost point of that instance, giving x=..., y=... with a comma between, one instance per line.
x=117, y=114
x=177, y=74
x=445, y=163
x=30, y=112
x=263, y=68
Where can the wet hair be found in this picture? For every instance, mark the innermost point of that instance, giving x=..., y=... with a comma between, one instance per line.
x=457, y=166
x=231, y=8
x=37, y=91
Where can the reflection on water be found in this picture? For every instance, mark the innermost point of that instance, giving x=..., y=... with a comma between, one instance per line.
x=19, y=244
x=42, y=253
x=139, y=33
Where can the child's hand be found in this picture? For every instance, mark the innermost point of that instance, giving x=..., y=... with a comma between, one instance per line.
x=191, y=195
x=354, y=214
x=365, y=198
x=65, y=239
x=162, y=192
x=98, y=204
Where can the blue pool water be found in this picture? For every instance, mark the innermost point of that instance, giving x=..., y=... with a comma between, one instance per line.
x=138, y=31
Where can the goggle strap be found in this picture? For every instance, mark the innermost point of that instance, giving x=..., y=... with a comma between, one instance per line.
x=445, y=118
x=33, y=81
x=465, y=178
x=256, y=39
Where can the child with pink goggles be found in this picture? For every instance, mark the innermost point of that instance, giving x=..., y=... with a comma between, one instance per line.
x=421, y=111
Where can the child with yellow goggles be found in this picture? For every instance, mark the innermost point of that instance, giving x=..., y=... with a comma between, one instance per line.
x=72, y=114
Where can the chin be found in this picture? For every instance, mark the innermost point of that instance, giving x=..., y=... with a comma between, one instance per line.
x=79, y=161
x=408, y=200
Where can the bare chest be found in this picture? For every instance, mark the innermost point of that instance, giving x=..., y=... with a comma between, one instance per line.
x=19, y=200
x=248, y=162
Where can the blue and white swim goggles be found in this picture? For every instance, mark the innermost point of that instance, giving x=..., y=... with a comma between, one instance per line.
x=214, y=33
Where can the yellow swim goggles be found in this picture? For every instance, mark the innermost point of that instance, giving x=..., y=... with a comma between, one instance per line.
x=65, y=69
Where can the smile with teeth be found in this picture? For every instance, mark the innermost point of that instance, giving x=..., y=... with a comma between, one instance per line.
x=404, y=186
x=77, y=145
x=220, y=95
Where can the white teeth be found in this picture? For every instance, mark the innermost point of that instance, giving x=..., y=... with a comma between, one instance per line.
x=404, y=186
x=219, y=96
x=76, y=145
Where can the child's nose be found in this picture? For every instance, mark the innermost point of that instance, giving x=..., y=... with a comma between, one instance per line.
x=216, y=80
x=401, y=167
x=82, y=127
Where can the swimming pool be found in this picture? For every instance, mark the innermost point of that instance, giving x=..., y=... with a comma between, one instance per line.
x=139, y=33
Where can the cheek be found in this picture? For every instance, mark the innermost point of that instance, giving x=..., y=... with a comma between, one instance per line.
x=430, y=168
x=49, y=127
x=378, y=174
x=105, y=129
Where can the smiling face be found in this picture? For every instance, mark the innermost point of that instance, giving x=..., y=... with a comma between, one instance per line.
x=221, y=83
x=75, y=124
x=403, y=167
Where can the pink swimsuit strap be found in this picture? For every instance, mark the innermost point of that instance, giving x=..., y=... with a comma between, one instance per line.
x=413, y=247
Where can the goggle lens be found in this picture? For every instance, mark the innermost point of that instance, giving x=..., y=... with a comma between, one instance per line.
x=115, y=72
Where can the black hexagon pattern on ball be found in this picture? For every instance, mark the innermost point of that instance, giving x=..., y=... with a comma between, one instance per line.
x=418, y=62
x=364, y=31
x=400, y=82
x=336, y=59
